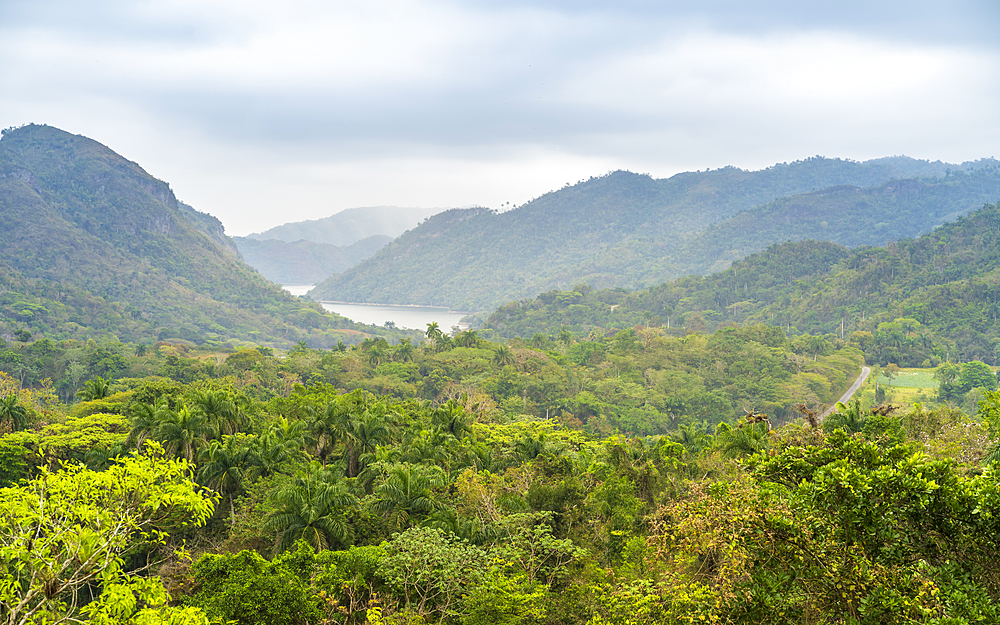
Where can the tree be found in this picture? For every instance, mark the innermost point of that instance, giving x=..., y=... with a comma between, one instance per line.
x=311, y=508
x=976, y=374
x=434, y=333
x=183, y=431
x=245, y=589
x=946, y=373
x=431, y=570
x=407, y=491
x=67, y=531
x=221, y=409
x=848, y=417
x=226, y=465
x=467, y=339
x=404, y=351
x=743, y=440
x=13, y=413
x=282, y=443
x=503, y=356
x=362, y=434
x=95, y=388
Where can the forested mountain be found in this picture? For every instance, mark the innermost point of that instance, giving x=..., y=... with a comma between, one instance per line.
x=94, y=246
x=928, y=298
x=305, y=262
x=350, y=226
x=850, y=216
x=629, y=230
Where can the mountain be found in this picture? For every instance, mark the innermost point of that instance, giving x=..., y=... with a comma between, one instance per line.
x=350, y=226
x=96, y=247
x=619, y=230
x=850, y=216
x=912, y=302
x=305, y=262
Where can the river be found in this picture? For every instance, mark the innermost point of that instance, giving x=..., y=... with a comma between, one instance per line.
x=411, y=317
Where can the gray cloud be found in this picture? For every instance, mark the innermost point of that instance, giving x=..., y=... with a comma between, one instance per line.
x=321, y=106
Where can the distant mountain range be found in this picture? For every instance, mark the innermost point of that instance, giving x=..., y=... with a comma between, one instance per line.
x=912, y=302
x=629, y=230
x=305, y=262
x=306, y=252
x=350, y=226
x=96, y=247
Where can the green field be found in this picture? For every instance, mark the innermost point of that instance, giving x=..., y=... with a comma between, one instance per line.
x=912, y=378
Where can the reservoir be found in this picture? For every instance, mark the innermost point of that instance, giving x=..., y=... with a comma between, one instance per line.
x=411, y=317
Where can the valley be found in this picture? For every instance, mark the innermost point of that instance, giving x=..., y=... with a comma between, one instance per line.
x=724, y=397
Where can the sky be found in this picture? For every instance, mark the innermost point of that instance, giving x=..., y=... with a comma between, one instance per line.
x=263, y=113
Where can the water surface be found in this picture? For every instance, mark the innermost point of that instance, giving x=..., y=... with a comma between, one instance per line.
x=410, y=317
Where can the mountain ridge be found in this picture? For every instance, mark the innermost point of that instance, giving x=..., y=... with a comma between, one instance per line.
x=97, y=247
x=603, y=231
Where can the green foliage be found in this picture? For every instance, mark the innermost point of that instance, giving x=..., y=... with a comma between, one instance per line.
x=68, y=529
x=502, y=598
x=431, y=570
x=311, y=508
x=12, y=414
x=976, y=374
x=13, y=461
x=246, y=589
x=911, y=302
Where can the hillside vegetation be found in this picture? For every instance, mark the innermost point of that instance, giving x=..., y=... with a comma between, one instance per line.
x=630, y=230
x=424, y=484
x=925, y=299
x=96, y=247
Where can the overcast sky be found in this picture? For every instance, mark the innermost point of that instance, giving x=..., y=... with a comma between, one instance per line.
x=262, y=113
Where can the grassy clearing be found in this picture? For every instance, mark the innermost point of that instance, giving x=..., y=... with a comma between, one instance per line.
x=912, y=378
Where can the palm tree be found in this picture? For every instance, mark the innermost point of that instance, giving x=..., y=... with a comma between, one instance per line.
x=503, y=356
x=467, y=339
x=362, y=434
x=452, y=419
x=281, y=443
x=434, y=331
x=848, y=417
x=377, y=353
x=404, y=351
x=322, y=430
x=408, y=491
x=95, y=388
x=430, y=447
x=226, y=465
x=693, y=436
x=13, y=413
x=465, y=528
x=743, y=440
x=221, y=409
x=311, y=508
x=183, y=431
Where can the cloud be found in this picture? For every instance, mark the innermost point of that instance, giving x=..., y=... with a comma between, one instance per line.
x=318, y=106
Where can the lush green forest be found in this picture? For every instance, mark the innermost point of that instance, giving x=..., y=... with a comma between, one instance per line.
x=629, y=230
x=637, y=478
x=97, y=248
x=916, y=302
